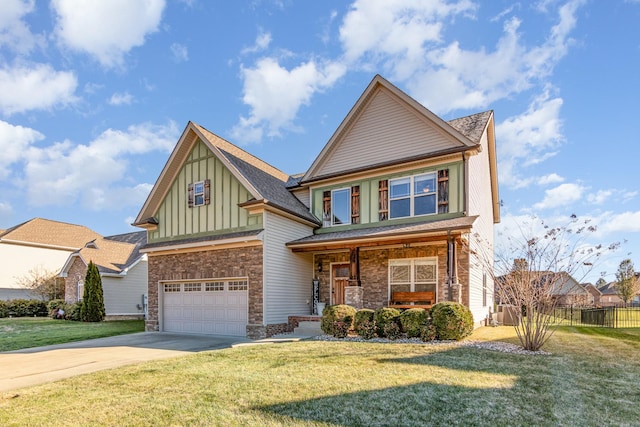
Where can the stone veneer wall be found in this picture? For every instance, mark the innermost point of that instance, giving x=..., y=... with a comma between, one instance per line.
x=237, y=262
x=374, y=272
x=71, y=281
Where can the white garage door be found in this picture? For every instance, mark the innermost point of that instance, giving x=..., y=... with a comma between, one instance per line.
x=212, y=307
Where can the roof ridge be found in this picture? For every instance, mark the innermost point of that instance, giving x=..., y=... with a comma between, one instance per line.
x=244, y=155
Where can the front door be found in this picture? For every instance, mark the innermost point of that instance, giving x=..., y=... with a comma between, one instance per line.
x=339, y=281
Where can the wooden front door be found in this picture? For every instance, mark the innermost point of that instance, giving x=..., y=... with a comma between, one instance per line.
x=339, y=281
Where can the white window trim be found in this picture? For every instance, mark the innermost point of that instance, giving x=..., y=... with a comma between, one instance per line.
x=347, y=189
x=412, y=262
x=196, y=193
x=412, y=195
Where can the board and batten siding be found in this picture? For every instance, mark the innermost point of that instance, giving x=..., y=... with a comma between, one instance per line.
x=287, y=275
x=481, y=239
x=123, y=294
x=386, y=130
x=176, y=219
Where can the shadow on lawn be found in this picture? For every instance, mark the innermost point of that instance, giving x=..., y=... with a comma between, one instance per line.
x=494, y=389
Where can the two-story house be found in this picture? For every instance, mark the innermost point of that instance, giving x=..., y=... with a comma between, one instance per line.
x=389, y=204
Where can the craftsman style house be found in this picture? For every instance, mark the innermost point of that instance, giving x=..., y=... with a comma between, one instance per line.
x=236, y=246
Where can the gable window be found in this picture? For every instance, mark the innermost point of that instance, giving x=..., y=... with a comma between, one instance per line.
x=199, y=193
x=413, y=275
x=341, y=206
x=412, y=196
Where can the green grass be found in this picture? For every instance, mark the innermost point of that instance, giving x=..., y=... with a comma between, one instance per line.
x=26, y=332
x=590, y=379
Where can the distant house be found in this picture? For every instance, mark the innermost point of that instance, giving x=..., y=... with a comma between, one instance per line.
x=560, y=286
x=39, y=244
x=611, y=297
x=123, y=271
x=237, y=247
x=595, y=292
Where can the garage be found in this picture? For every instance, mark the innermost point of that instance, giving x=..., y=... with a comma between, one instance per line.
x=217, y=307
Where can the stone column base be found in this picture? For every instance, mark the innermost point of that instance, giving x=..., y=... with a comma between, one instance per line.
x=353, y=296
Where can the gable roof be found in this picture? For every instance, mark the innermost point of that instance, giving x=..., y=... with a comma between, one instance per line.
x=48, y=233
x=399, y=111
x=265, y=183
x=112, y=254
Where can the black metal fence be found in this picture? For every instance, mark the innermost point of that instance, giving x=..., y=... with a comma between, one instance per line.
x=607, y=317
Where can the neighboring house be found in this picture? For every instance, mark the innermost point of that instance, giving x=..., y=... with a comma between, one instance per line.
x=123, y=272
x=38, y=244
x=571, y=293
x=234, y=244
x=611, y=297
x=595, y=293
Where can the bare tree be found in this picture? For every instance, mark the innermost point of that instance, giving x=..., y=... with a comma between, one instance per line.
x=531, y=270
x=627, y=283
x=43, y=283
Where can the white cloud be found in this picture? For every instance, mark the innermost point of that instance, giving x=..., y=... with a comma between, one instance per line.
x=275, y=95
x=106, y=30
x=121, y=99
x=263, y=40
x=14, y=31
x=552, y=178
x=456, y=78
x=35, y=87
x=624, y=222
x=599, y=197
x=180, y=52
x=528, y=139
x=562, y=195
x=62, y=173
x=14, y=141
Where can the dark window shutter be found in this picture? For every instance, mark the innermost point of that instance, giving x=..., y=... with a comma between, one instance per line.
x=207, y=191
x=443, y=191
x=355, y=204
x=326, y=209
x=190, y=195
x=383, y=200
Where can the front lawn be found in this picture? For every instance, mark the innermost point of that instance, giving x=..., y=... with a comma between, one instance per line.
x=26, y=332
x=590, y=379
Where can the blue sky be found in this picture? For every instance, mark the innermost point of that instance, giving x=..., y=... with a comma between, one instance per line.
x=94, y=95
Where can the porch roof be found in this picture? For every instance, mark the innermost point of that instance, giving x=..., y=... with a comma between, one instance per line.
x=387, y=234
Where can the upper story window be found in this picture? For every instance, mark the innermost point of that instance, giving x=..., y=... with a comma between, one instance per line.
x=199, y=193
x=412, y=196
x=341, y=206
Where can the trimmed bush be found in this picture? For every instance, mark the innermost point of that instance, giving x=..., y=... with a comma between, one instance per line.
x=382, y=317
x=428, y=332
x=392, y=331
x=25, y=308
x=412, y=321
x=56, y=304
x=363, y=315
x=333, y=314
x=4, y=309
x=452, y=321
x=73, y=313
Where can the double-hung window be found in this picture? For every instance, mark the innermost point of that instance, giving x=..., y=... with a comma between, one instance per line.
x=199, y=193
x=341, y=206
x=413, y=275
x=413, y=196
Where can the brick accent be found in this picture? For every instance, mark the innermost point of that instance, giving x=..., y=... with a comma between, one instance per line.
x=374, y=272
x=237, y=262
x=78, y=269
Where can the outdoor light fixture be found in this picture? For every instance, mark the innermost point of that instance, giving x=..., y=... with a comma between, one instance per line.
x=319, y=266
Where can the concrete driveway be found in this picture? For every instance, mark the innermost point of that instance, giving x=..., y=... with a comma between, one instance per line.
x=32, y=366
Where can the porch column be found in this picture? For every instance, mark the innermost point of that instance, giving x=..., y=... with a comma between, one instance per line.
x=353, y=294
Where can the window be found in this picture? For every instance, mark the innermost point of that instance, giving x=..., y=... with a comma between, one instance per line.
x=341, y=206
x=80, y=290
x=199, y=193
x=172, y=287
x=238, y=285
x=192, y=287
x=214, y=286
x=413, y=275
x=412, y=196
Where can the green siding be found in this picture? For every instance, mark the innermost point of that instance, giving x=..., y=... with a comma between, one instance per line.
x=222, y=215
x=369, y=196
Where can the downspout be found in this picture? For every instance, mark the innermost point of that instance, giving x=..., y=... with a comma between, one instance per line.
x=465, y=184
x=449, y=267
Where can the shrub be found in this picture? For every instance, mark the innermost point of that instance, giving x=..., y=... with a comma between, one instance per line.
x=341, y=327
x=413, y=320
x=92, y=309
x=4, y=310
x=56, y=304
x=384, y=316
x=26, y=308
x=363, y=315
x=73, y=313
x=428, y=332
x=392, y=331
x=337, y=313
x=452, y=321
x=366, y=329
